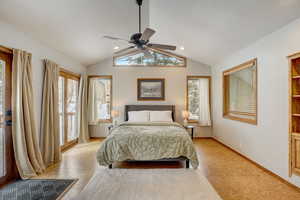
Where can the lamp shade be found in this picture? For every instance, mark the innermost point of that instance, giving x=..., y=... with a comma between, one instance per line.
x=185, y=114
x=115, y=113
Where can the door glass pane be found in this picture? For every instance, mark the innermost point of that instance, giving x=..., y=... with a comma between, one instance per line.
x=61, y=109
x=72, y=98
x=2, y=130
x=72, y=127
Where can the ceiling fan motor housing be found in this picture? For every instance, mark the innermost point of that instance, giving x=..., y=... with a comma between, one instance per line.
x=141, y=40
x=139, y=2
x=135, y=39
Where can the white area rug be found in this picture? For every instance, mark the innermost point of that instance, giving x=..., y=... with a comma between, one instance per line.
x=148, y=184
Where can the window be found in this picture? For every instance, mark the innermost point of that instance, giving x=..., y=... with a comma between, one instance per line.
x=68, y=85
x=100, y=99
x=198, y=99
x=240, y=91
x=159, y=58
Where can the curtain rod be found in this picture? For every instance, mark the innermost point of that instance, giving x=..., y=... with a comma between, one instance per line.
x=68, y=71
x=10, y=51
x=6, y=49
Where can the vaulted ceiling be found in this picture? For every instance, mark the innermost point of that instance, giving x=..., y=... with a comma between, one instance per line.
x=208, y=29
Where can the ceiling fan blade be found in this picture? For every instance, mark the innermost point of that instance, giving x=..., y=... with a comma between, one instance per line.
x=162, y=46
x=114, y=38
x=124, y=50
x=147, y=34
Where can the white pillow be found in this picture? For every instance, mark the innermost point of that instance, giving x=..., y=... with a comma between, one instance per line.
x=161, y=116
x=138, y=116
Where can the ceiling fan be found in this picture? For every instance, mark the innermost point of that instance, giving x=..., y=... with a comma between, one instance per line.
x=140, y=40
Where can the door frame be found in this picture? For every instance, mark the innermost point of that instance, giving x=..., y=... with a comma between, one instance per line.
x=68, y=75
x=11, y=169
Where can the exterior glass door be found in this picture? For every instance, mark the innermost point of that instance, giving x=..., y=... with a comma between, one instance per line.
x=8, y=169
x=68, y=85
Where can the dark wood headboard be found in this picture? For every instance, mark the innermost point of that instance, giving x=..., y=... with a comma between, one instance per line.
x=129, y=108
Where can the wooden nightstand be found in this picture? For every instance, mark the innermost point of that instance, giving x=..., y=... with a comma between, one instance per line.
x=191, y=127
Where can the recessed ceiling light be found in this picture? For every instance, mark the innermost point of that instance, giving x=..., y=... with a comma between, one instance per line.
x=182, y=48
x=116, y=47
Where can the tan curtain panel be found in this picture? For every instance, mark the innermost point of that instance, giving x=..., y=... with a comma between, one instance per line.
x=50, y=115
x=26, y=148
x=83, y=111
x=204, y=105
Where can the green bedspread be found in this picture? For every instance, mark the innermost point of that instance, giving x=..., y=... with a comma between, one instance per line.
x=146, y=141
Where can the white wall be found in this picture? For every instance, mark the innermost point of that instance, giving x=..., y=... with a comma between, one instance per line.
x=13, y=38
x=266, y=143
x=125, y=87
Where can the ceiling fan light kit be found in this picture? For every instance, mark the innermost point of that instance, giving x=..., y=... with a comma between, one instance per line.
x=140, y=41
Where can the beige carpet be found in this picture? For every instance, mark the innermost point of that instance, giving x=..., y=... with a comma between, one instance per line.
x=148, y=184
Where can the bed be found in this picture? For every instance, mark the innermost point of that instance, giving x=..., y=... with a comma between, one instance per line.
x=147, y=141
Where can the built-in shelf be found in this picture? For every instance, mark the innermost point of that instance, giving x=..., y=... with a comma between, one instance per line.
x=294, y=114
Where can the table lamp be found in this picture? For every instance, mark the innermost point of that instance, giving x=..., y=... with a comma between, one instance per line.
x=185, y=115
x=115, y=114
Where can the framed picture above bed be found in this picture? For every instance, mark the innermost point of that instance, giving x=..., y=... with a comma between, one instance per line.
x=150, y=89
